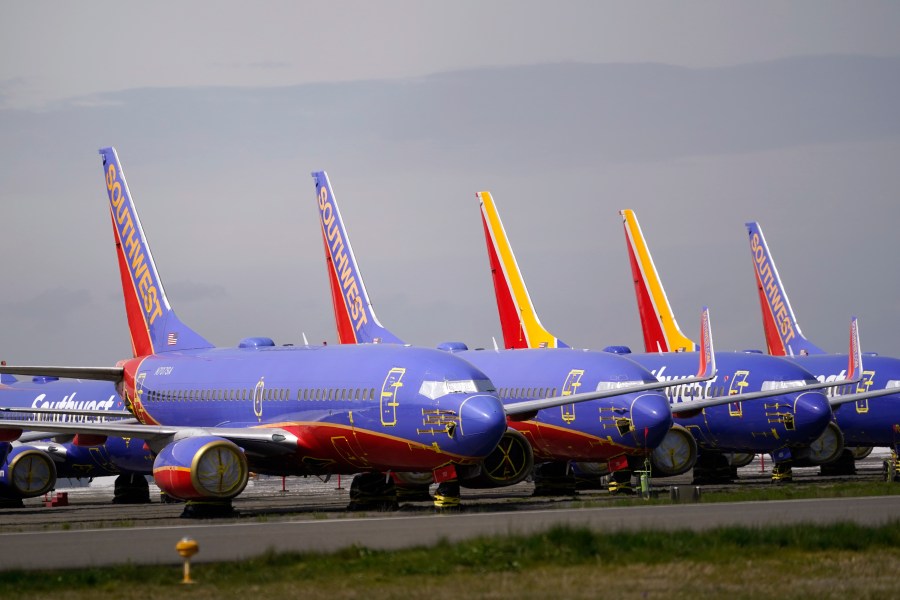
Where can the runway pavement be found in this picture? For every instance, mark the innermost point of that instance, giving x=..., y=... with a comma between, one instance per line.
x=310, y=515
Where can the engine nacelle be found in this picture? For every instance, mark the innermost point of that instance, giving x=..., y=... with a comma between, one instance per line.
x=676, y=454
x=508, y=464
x=826, y=448
x=206, y=467
x=26, y=472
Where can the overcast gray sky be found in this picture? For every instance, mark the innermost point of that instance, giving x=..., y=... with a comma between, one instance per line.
x=700, y=116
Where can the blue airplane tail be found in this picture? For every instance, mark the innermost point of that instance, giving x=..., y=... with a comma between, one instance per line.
x=783, y=335
x=152, y=322
x=353, y=312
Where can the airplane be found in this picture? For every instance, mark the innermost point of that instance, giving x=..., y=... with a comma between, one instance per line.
x=37, y=460
x=663, y=332
x=210, y=414
x=793, y=413
x=617, y=431
x=869, y=415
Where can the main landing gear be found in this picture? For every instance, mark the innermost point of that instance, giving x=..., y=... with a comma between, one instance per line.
x=131, y=488
x=373, y=491
x=208, y=509
x=782, y=472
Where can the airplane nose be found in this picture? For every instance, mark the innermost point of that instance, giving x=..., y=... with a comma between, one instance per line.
x=652, y=419
x=482, y=422
x=812, y=413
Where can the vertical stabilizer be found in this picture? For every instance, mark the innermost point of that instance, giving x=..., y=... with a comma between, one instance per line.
x=783, y=335
x=661, y=331
x=518, y=319
x=353, y=313
x=153, y=324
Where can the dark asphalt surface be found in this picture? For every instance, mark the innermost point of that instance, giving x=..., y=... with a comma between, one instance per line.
x=310, y=515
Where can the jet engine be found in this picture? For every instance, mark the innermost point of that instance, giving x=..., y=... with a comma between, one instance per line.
x=826, y=448
x=205, y=467
x=508, y=464
x=26, y=472
x=676, y=454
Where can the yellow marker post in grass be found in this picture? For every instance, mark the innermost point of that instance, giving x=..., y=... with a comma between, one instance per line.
x=187, y=548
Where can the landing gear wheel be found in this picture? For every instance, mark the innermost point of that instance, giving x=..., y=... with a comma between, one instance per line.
x=372, y=491
x=208, y=509
x=553, y=479
x=740, y=459
x=131, y=488
x=620, y=483
x=713, y=468
x=446, y=497
x=842, y=465
x=782, y=473
x=860, y=452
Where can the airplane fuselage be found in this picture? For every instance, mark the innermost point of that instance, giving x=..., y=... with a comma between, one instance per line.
x=112, y=457
x=596, y=430
x=871, y=422
x=761, y=425
x=352, y=408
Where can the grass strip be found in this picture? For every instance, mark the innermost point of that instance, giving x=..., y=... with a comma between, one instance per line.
x=719, y=558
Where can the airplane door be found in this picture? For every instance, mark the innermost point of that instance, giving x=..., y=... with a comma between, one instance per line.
x=389, y=401
x=570, y=387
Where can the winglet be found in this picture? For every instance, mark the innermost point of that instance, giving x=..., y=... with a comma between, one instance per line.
x=520, y=324
x=854, y=356
x=153, y=324
x=707, y=350
x=353, y=313
x=661, y=331
x=783, y=335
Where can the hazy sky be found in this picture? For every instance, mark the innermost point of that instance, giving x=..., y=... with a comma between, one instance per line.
x=698, y=115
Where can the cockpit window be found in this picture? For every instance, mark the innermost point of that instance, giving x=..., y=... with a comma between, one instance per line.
x=784, y=385
x=438, y=389
x=893, y=383
x=605, y=386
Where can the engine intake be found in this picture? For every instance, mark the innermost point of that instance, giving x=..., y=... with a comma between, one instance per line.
x=676, y=454
x=508, y=464
x=26, y=472
x=206, y=467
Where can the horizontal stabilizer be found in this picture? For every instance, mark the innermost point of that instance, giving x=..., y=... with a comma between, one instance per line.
x=114, y=374
x=276, y=438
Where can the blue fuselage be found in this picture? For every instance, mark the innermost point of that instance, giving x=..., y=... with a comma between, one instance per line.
x=353, y=408
x=594, y=430
x=112, y=457
x=872, y=422
x=764, y=425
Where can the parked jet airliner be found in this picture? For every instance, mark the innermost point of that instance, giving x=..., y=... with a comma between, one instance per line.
x=793, y=413
x=869, y=413
x=661, y=333
x=211, y=414
x=613, y=431
x=33, y=464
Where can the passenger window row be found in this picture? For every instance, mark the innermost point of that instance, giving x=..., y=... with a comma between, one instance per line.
x=268, y=394
x=520, y=392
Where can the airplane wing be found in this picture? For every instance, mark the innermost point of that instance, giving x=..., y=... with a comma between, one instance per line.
x=117, y=414
x=114, y=374
x=854, y=375
x=845, y=398
x=706, y=370
x=278, y=440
